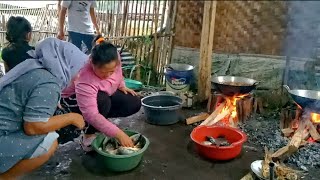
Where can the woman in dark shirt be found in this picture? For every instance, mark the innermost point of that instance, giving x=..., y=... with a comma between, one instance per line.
x=18, y=36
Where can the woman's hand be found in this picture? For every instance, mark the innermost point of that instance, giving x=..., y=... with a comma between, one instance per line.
x=124, y=139
x=128, y=90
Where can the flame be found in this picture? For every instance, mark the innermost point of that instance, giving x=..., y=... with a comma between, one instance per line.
x=315, y=117
x=310, y=139
x=231, y=103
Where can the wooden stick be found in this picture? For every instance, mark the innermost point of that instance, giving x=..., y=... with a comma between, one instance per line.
x=313, y=131
x=214, y=114
x=197, y=118
x=287, y=132
x=295, y=142
x=281, y=152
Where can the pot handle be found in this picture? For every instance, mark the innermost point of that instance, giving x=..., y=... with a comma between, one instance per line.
x=287, y=87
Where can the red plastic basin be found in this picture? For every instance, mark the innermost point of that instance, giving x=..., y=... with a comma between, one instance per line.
x=234, y=136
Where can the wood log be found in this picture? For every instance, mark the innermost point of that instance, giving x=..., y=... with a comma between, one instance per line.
x=281, y=152
x=287, y=132
x=197, y=118
x=297, y=138
x=239, y=111
x=219, y=117
x=313, y=131
x=214, y=114
x=247, y=107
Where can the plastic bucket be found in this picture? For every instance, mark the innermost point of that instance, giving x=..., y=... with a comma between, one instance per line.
x=178, y=77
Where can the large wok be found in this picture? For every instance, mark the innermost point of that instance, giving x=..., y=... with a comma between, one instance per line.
x=305, y=98
x=233, y=85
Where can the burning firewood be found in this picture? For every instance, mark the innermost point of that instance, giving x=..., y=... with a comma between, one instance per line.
x=313, y=131
x=214, y=114
x=297, y=138
x=219, y=117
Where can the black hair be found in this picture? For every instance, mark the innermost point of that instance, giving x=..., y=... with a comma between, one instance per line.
x=17, y=29
x=103, y=53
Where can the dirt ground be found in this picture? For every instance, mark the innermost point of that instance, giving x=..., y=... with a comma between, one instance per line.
x=171, y=155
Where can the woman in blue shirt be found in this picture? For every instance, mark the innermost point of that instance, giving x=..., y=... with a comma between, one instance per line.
x=29, y=95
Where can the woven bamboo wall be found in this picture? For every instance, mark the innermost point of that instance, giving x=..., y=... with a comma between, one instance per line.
x=241, y=26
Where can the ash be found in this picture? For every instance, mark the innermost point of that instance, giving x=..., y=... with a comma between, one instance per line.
x=263, y=131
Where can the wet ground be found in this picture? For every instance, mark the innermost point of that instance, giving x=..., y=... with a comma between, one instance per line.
x=171, y=155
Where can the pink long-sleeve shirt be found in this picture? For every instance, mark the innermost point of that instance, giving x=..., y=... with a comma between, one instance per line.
x=86, y=86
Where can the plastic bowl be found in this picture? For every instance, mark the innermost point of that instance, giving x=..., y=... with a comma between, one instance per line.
x=234, y=136
x=119, y=163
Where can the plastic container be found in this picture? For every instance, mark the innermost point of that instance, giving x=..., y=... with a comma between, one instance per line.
x=162, y=109
x=178, y=77
x=119, y=163
x=133, y=84
x=234, y=136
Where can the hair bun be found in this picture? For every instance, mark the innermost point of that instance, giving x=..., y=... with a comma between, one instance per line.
x=99, y=40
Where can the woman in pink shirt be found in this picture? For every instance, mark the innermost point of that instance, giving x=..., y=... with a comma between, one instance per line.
x=99, y=92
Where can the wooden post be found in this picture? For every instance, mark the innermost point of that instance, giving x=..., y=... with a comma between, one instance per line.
x=207, y=35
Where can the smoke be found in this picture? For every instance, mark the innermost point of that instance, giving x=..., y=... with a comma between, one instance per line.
x=301, y=42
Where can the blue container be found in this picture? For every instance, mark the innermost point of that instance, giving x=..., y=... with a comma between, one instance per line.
x=178, y=77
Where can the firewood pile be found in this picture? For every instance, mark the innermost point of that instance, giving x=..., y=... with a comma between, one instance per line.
x=298, y=129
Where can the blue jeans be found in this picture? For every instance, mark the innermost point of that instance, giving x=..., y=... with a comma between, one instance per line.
x=77, y=39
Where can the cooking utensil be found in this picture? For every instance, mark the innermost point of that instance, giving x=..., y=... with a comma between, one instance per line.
x=233, y=85
x=305, y=98
x=234, y=136
x=256, y=167
x=162, y=109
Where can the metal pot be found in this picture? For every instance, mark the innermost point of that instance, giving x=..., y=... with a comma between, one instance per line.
x=305, y=98
x=233, y=85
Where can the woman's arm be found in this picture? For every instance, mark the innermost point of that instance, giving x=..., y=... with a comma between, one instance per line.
x=40, y=105
x=54, y=123
x=87, y=102
x=94, y=19
x=59, y=7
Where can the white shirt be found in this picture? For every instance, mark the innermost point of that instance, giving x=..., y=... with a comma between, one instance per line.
x=79, y=19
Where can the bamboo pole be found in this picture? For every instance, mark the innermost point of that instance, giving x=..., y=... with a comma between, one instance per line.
x=207, y=34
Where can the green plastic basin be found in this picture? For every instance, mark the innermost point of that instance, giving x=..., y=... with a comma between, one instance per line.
x=119, y=163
